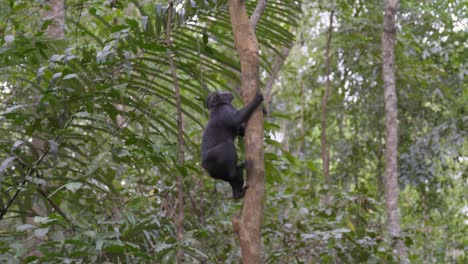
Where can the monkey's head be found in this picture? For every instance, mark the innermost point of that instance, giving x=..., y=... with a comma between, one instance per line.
x=219, y=98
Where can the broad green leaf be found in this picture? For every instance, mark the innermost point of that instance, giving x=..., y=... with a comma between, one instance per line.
x=115, y=247
x=41, y=232
x=6, y=164
x=293, y=160
x=100, y=158
x=73, y=186
x=70, y=76
x=24, y=227
x=163, y=246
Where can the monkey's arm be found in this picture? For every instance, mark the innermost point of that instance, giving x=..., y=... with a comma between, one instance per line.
x=242, y=115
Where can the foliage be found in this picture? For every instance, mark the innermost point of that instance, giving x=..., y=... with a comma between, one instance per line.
x=88, y=131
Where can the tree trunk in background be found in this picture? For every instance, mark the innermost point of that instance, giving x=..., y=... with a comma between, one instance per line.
x=53, y=31
x=325, y=150
x=57, y=14
x=180, y=217
x=248, y=224
x=275, y=68
x=391, y=111
x=301, y=143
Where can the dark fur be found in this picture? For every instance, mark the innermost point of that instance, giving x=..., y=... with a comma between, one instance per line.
x=219, y=155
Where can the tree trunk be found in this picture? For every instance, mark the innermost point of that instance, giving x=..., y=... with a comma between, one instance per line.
x=391, y=111
x=248, y=224
x=277, y=65
x=325, y=150
x=179, y=218
x=53, y=31
x=57, y=14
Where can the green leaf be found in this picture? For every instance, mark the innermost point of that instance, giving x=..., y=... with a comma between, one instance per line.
x=16, y=145
x=196, y=251
x=73, y=186
x=92, y=10
x=41, y=232
x=12, y=109
x=5, y=164
x=293, y=160
x=115, y=248
x=82, y=114
x=312, y=167
x=132, y=23
x=70, y=76
x=96, y=163
x=99, y=244
x=163, y=247
x=24, y=227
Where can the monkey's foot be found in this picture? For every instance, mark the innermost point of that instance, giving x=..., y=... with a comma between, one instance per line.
x=244, y=188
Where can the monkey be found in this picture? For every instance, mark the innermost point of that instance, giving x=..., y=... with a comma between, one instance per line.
x=219, y=156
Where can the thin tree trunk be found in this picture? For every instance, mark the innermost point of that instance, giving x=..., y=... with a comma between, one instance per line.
x=257, y=14
x=57, y=14
x=380, y=165
x=248, y=224
x=54, y=31
x=300, y=144
x=180, y=143
x=277, y=65
x=391, y=112
x=285, y=132
x=325, y=150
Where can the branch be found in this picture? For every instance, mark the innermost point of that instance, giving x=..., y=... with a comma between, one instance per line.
x=30, y=171
x=53, y=204
x=255, y=17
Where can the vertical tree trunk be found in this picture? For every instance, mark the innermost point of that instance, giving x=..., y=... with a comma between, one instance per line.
x=53, y=31
x=277, y=65
x=57, y=14
x=325, y=150
x=179, y=218
x=391, y=111
x=248, y=225
x=300, y=144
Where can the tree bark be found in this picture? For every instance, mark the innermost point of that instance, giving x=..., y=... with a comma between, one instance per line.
x=257, y=14
x=248, y=224
x=180, y=217
x=391, y=112
x=277, y=65
x=325, y=150
x=57, y=14
x=53, y=31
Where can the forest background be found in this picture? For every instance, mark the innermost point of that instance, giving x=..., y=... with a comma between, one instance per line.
x=90, y=144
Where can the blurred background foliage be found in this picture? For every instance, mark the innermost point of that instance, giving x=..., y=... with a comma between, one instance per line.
x=88, y=132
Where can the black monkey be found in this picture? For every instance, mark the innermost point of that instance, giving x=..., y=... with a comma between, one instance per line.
x=218, y=151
